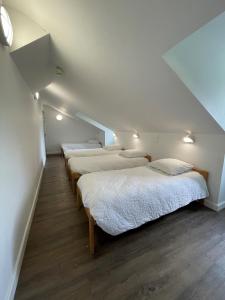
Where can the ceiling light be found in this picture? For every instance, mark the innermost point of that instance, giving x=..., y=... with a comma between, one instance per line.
x=136, y=135
x=59, y=117
x=6, y=29
x=36, y=96
x=188, y=139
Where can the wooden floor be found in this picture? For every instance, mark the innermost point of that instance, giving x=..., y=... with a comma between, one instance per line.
x=181, y=256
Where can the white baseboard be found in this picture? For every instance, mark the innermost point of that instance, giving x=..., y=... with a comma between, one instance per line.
x=214, y=206
x=19, y=260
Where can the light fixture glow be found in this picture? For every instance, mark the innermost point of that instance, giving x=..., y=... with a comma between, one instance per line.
x=188, y=139
x=59, y=117
x=136, y=135
x=114, y=135
x=36, y=96
x=6, y=29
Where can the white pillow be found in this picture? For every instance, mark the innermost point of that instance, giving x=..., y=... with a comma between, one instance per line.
x=93, y=142
x=113, y=147
x=132, y=153
x=171, y=166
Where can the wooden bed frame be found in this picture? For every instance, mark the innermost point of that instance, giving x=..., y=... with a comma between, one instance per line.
x=92, y=222
x=74, y=176
x=62, y=153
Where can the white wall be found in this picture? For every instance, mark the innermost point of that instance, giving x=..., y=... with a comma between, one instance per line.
x=207, y=153
x=25, y=29
x=31, y=50
x=109, y=138
x=199, y=61
x=222, y=185
x=66, y=131
x=108, y=133
x=34, y=63
x=101, y=137
x=22, y=159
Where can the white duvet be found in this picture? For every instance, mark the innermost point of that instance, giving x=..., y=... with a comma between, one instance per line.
x=125, y=199
x=89, y=152
x=84, y=165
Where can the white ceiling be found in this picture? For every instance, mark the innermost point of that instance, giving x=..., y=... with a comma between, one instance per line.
x=199, y=61
x=34, y=56
x=111, y=52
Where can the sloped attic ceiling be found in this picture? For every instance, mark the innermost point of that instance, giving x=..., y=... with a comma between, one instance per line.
x=111, y=52
x=199, y=62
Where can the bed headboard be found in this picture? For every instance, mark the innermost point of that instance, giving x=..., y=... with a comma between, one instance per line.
x=204, y=173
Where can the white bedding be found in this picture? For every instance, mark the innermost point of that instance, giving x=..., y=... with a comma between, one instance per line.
x=89, y=152
x=68, y=147
x=84, y=165
x=125, y=199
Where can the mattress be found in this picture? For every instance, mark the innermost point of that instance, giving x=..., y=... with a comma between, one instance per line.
x=89, y=152
x=122, y=200
x=68, y=147
x=84, y=165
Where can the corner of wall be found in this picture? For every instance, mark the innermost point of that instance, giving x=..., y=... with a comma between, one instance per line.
x=221, y=197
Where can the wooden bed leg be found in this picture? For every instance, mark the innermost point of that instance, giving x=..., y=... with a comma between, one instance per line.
x=201, y=202
x=67, y=168
x=79, y=201
x=72, y=182
x=69, y=173
x=65, y=164
x=91, y=224
x=91, y=236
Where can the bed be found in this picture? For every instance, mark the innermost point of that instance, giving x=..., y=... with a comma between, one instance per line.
x=121, y=200
x=88, y=152
x=79, y=166
x=83, y=153
x=77, y=146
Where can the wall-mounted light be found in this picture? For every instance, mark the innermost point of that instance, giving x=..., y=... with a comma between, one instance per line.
x=189, y=138
x=6, y=29
x=136, y=135
x=36, y=96
x=114, y=135
x=59, y=117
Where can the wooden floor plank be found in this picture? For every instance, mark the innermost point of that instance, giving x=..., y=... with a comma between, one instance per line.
x=179, y=256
